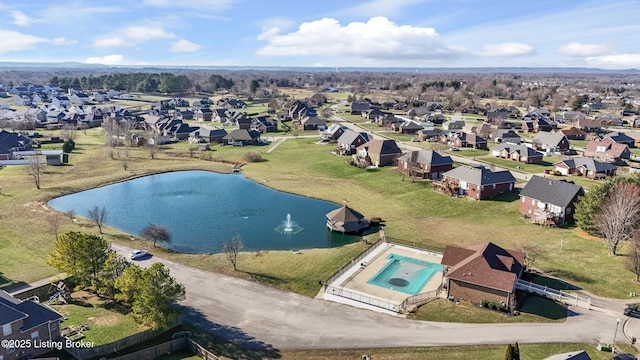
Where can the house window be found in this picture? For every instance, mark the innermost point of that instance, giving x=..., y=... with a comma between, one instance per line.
x=10, y=350
x=522, y=199
x=568, y=211
x=533, y=201
x=53, y=326
x=6, y=329
x=35, y=335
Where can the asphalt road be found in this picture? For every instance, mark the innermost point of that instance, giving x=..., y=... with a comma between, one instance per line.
x=266, y=319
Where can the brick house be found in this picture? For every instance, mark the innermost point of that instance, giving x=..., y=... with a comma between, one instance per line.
x=586, y=167
x=482, y=272
x=573, y=133
x=551, y=141
x=518, y=153
x=549, y=201
x=607, y=149
x=380, y=152
x=424, y=163
x=478, y=182
x=26, y=320
x=468, y=140
x=349, y=142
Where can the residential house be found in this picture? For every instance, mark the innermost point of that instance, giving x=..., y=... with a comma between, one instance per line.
x=242, y=122
x=537, y=125
x=477, y=182
x=228, y=103
x=220, y=115
x=549, y=201
x=551, y=142
x=74, y=90
x=358, y=107
x=431, y=134
x=483, y=272
x=498, y=118
x=101, y=96
x=424, y=163
x=241, y=137
x=35, y=115
x=607, y=150
x=506, y=136
x=313, y=123
x=388, y=121
x=587, y=167
x=39, y=99
x=61, y=102
x=203, y=114
x=454, y=125
x=79, y=98
x=22, y=100
x=609, y=119
x=13, y=141
x=263, y=124
x=570, y=117
x=185, y=114
x=207, y=134
x=407, y=127
x=537, y=113
x=113, y=94
x=333, y=132
x=573, y=133
x=373, y=113
x=179, y=130
x=590, y=125
x=349, y=141
x=621, y=138
x=520, y=153
x=467, y=140
x=436, y=118
x=24, y=322
x=379, y=152
x=200, y=103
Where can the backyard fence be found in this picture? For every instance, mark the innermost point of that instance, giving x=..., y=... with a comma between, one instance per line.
x=356, y=260
x=420, y=299
x=101, y=350
x=363, y=298
x=557, y=295
x=169, y=347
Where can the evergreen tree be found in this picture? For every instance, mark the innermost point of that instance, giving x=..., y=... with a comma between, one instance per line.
x=80, y=255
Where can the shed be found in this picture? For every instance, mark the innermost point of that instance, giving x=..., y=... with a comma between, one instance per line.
x=346, y=220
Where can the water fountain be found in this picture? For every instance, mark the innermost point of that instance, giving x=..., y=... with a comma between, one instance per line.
x=288, y=227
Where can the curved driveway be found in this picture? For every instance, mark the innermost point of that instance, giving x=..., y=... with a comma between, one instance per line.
x=265, y=318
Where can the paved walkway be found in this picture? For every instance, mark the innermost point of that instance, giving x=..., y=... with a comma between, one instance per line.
x=265, y=318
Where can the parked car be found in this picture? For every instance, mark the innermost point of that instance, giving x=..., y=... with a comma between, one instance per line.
x=454, y=149
x=138, y=254
x=415, y=140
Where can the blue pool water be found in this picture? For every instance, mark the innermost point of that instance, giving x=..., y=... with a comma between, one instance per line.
x=405, y=274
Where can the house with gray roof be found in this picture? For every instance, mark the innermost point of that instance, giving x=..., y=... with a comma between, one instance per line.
x=346, y=220
x=26, y=320
x=11, y=142
x=241, y=137
x=551, y=141
x=454, y=125
x=621, y=138
x=587, y=167
x=518, y=153
x=358, y=107
x=549, y=201
x=477, y=182
x=349, y=142
x=333, y=132
x=424, y=163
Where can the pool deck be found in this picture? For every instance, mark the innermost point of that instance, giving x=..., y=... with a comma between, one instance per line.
x=356, y=278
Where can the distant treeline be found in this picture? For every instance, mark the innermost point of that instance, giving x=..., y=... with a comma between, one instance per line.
x=140, y=82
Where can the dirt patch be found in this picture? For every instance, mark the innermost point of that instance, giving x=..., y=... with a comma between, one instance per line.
x=87, y=298
x=105, y=320
x=583, y=234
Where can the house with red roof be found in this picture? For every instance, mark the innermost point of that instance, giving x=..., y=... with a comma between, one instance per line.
x=607, y=149
x=482, y=272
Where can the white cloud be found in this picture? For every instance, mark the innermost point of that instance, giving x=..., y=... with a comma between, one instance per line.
x=615, y=61
x=63, y=41
x=21, y=19
x=106, y=60
x=579, y=49
x=202, y=5
x=15, y=41
x=506, y=49
x=183, y=45
x=377, y=7
x=377, y=39
x=133, y=35
x=111, y=42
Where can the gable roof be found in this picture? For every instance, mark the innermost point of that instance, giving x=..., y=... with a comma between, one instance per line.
x=349, y=136
x=549, y=138
x=383, y=147
x=588, y=163
x=550, y=191
x=32, y=313
x=486, y=265
x=520, y=149
x=479, y=175
x=620, y=137
x=426, y=156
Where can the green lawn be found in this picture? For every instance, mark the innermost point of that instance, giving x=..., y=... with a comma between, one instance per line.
x=105, y=324
x=546, y=164
x=534, y=309
x=470, y=152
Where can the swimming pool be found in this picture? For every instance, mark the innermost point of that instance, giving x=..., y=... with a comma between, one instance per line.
x=405, y=274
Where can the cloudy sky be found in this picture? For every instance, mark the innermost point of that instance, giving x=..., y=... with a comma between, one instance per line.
x=333, y=33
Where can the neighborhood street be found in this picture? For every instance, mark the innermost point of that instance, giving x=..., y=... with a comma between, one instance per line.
x=265, y=318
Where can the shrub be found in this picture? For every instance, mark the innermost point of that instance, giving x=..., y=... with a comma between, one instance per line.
x=252, y=156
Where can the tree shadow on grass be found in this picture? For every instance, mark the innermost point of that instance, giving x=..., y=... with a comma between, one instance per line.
x=544, y=307
x=509, y=196
x=231, y=342
x=556, y=283
x=11, y=285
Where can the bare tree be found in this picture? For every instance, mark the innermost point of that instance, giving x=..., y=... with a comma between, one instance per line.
x=618, y=216
x=155, y=233
x=124, y=158
x=98, y=214
x=35, y=168
x=55, y=221
x=531, y=252
x=633, y=259
x=69, y=132
x=231, y=249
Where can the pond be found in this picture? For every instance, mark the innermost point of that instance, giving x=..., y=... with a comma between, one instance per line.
x=203, y=209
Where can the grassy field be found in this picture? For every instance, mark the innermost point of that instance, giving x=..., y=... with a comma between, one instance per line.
x=104, y=322
x=546, y=164
x=534, y=309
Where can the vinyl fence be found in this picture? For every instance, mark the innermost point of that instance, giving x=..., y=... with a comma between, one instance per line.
x=421, y=298
x=363, y=298
x=557, y=295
